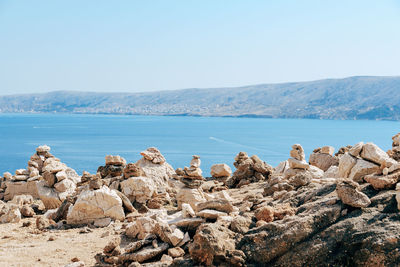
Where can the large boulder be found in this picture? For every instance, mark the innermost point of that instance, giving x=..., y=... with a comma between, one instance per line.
x=268, y=242
x=96, y=204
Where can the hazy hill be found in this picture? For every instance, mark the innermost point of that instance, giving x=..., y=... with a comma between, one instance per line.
x=349, y=98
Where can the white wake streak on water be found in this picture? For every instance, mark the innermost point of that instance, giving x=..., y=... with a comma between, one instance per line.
x=241, y=145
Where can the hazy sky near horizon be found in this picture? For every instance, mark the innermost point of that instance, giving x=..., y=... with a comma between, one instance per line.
x=132, y=46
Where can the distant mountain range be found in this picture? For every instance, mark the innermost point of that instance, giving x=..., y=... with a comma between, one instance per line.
x=361, y=97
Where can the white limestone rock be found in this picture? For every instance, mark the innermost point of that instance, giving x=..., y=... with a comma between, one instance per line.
x=327, y=150
x=187, y=211
x=43, y=149
x=49, y=196
x=115, y=160
x=373, y=153
x=195, y=162
x=65, y=185
x=159, y=173
x=362, y=168
x=96, y=204
x=356, y=149
x=332, y=172
x=52, y=165
x=154, y=155
x=282, y=167
x=297, y=152
x=298, y=164
x=61, y=176
x=346, y=163
x=220, y=170
x=139, y=189
x=191, y=196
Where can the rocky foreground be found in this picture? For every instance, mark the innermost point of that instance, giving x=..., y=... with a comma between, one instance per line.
x=334, y=210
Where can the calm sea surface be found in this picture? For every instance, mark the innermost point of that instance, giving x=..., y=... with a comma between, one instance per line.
x=82, y=141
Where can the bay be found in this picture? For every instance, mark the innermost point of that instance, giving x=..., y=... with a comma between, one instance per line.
x=82, y=141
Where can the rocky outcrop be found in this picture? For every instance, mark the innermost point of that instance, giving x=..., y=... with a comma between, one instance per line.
x=326, y=233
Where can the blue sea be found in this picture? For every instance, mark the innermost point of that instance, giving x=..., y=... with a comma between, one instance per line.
x=82, y=141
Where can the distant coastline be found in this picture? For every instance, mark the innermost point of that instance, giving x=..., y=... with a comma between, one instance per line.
x=244, y=116
x=353, y=98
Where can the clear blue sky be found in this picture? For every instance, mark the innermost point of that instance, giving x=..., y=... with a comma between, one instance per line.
x=161, y=45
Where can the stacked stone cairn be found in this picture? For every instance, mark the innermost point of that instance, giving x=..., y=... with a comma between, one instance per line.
x=46, y=178
x=146, y=181
x=192, y=176
x=248, y=170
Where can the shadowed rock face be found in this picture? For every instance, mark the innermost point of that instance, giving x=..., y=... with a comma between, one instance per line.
x=326, y=232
